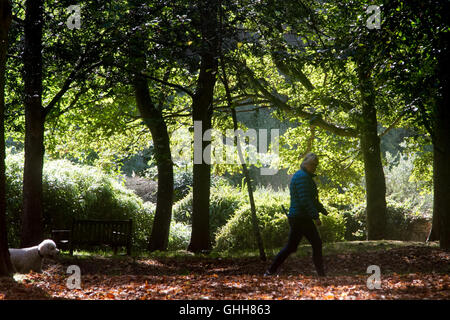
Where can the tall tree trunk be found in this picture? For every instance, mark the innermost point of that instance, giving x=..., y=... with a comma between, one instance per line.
x=32, y=215
x=6, y=268
x=433, y=235
x=155, y=122
x=441, y=176
x=373, y=168
x=441, y=163
x=202, y=111
x=153, y=118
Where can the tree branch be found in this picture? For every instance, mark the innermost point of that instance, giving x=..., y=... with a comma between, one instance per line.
x=173, y=85
x=295, y=73
x=313, y=118
x=227, y=109
x=396, y=121
x=72, y=103
x=66, y=86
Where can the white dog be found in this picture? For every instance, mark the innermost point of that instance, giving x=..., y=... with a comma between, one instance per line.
x=27, y=259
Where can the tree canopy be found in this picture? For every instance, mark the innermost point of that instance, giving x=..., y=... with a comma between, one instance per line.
x=337, y=78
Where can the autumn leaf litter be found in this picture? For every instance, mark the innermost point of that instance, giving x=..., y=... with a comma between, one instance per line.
x=406, y=273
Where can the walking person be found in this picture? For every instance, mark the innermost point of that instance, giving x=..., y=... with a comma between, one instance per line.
x=303, y=212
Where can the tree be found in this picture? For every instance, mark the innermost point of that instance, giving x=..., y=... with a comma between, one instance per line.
x=370, y=147
x=439, y=33
x=81, y=61
x=441, y=145
x=333, y=41
x=32, y=223
x=5, y=21
x=154, y=120
x=202, y=110
x=418, y=42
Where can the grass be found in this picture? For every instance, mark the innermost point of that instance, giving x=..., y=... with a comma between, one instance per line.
x=373, y=245
x=344, y=247
x=332, y=248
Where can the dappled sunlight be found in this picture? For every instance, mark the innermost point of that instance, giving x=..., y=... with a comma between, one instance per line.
x=194, y=277
x=225, y=150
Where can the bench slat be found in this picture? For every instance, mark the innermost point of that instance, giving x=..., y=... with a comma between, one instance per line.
x=92, y=232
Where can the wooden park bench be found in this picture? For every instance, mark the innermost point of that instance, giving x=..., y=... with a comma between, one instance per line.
x=115, y=233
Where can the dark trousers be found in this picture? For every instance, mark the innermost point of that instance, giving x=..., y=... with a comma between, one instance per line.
x=300, y=227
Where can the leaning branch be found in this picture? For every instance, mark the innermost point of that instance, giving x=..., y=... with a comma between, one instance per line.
x=173, y=85
x=72, y=104
x=395, y=122
x=296, y=73
x=313, y=118
x=66, y=86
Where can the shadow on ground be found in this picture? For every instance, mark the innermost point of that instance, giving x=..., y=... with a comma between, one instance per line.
x=400, y=260
x=406, y=273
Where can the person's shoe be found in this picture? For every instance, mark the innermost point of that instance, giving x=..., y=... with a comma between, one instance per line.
x=269, y=273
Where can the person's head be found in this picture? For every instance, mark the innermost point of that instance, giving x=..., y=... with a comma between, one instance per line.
x=310, y=162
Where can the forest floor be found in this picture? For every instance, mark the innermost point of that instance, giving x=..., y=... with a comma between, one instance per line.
x=408, y=271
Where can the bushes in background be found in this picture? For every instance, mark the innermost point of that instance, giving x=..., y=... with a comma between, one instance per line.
x=73, y=191
x=400, y=225
x=230, y=217
x=83, y=192
x=238, y=234
x=224, y=201
x=408, y=204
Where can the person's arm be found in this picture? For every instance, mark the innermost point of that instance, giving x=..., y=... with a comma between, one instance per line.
x=321, y=208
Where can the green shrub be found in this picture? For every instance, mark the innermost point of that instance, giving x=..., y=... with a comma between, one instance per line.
x=182, y=184
x=238, y=233
x=406, y=201
x=182, y=209
x=224, y=201
x=14, y=169
x=402, y=187
x=355, y=223
x=179, y=236
x=73, y=191
x=398, y=220
x=333, y=227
